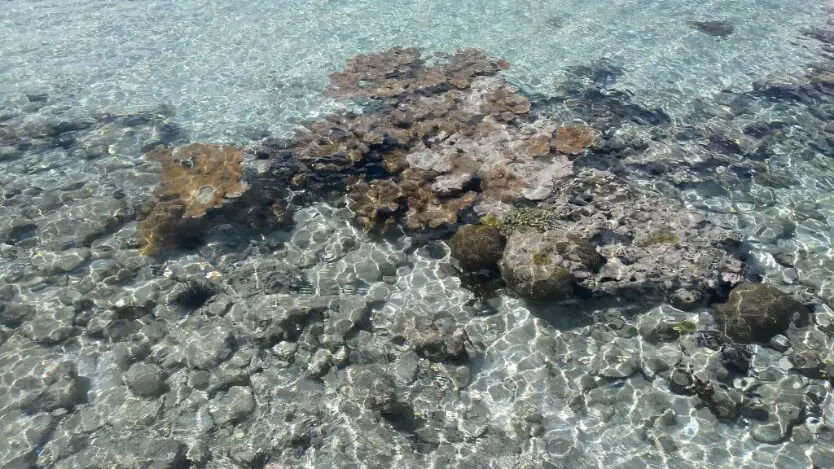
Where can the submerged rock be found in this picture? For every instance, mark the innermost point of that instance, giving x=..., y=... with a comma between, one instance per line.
x=430, y=336
x=713, y=28
x=604, y=236
x=52, y=324
x=539, y=265
x=377, y=391
x=755, y=312
x=57, y=385
x=22, y=436
x=725, y=403
x=232, y=406
x=100, y=215
x=145, y=380
x=477, y=247
x=270, y=319
x=785, y=403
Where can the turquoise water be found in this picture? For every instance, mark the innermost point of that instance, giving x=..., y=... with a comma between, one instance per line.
x=234, y=70
x=101, y=365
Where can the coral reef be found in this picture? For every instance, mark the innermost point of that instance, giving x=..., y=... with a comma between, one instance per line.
x=444, y=137
x=324, y=331
x=445, y=142
x=375, y=203
x=195, y=178
x=541, y=218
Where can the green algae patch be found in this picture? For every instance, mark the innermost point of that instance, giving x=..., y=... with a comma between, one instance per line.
x=663, y=235
x=685, y=327
x=539, y=259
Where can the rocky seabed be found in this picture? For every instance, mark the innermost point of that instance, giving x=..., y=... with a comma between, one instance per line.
x=453, y=275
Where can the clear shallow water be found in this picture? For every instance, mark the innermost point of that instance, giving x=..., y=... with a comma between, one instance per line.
x=238, y=69
x=544, y=387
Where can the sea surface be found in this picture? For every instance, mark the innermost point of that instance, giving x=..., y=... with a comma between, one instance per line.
x=103, y=363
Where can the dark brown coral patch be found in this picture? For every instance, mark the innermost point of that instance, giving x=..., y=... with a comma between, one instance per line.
x=379, y=203
x=721, y=29
x=395, y=162
x=375, y=203
x=427, y=210
x=334, y=145
x=538, y=145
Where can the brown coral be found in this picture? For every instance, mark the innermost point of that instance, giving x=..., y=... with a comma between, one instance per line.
x=444, y=134
x=335, y=144
x=505, y=103
x=195, y=178
x=471, y=62
x=425, y=209
x=501, y=185
x=399, y=71
x=538, y=145
x=375, y=203
x=378, y=203
x=199, y=176
x=573, y=139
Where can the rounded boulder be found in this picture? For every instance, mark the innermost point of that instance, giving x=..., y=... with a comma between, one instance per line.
x=536, y=266
x=755, y=312
x=477, y=247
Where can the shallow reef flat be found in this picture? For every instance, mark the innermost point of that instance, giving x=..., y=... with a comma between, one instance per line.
x=446, y=267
